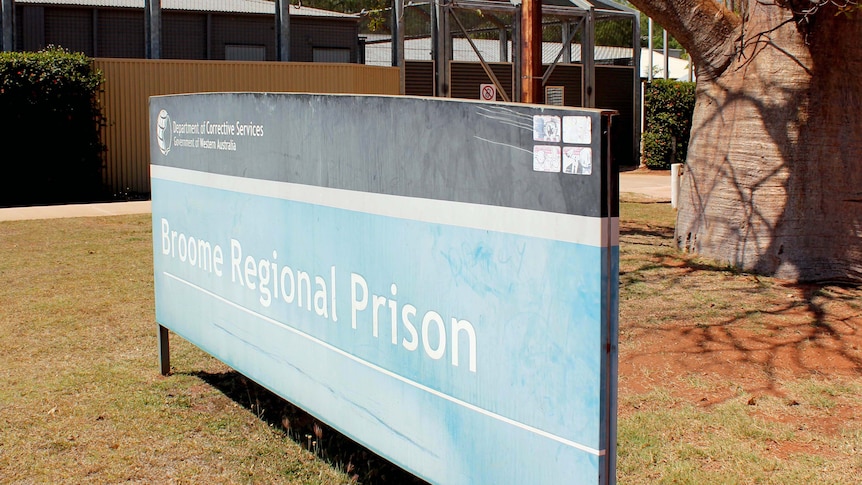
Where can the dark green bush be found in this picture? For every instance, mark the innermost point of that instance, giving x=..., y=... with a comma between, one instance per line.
x=668, y=107
x=50, y=122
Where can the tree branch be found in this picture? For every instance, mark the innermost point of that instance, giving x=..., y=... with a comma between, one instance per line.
x=706, y=29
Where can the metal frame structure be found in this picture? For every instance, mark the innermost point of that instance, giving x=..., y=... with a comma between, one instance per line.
x=580, y=14
x=575, y=16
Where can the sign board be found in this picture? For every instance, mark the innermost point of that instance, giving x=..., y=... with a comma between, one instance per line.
x=436, y=279
x=488, y=92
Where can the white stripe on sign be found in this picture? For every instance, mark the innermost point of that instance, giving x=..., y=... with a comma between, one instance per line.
x=386, y=372
x=590, y=231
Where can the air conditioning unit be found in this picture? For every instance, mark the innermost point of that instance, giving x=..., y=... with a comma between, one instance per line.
x=554, y=95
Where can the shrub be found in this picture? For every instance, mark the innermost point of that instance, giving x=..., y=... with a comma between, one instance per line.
x=668, y=107
x=50, y=122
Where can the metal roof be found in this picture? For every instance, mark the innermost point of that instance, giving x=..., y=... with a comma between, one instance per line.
x=557, y=8
x=221, y=6
x=379, y=54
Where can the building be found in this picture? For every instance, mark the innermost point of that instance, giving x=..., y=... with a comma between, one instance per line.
x=190, y=29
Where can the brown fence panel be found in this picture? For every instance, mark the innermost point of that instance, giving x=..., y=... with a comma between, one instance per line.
x=419, y=78
x=465, y=78
x=130, y=82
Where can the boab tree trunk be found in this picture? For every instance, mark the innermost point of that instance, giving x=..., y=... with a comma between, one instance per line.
x=774, y=177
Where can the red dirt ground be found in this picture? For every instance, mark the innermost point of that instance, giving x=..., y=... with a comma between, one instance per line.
x=814, y=334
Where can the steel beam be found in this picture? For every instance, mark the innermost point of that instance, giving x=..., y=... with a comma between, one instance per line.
x=153, y=28
x=7, y=25
x=282, y=30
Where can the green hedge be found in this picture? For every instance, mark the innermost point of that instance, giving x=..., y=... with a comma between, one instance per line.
x=668, y=106
x=50, y=122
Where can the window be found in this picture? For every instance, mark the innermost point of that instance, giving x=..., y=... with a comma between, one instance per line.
x=323, y=54
x=235, y=52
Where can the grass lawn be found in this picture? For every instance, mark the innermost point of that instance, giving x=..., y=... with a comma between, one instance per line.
x=724, y=377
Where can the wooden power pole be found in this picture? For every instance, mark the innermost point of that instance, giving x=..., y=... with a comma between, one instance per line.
x=531, y=51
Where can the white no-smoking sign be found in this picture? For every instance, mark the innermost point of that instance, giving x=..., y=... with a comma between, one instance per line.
x=488, y=92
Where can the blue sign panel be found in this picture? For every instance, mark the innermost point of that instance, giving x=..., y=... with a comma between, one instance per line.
x=445, y=294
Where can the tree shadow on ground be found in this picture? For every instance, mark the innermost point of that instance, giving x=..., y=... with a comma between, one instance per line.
x=361, y=464
x=690, y=315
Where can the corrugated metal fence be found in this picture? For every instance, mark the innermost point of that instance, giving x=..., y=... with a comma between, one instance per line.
x=130, y=82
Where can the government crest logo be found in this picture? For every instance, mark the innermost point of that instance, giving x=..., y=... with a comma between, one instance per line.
x=163, y=132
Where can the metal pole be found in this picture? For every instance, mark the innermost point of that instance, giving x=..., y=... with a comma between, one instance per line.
x=399, y=20
x=164, y=351
x=531, y=51
x=650, y=47
x=666, y=56
x=7, y=25
x=153, y=28
x=282, y=30
x=516, y=56
x=435, y=46
x=504, y=45
x=444, y=49
x=588, y=57
x=567, y=43
x=637, y=89
x=393, y=27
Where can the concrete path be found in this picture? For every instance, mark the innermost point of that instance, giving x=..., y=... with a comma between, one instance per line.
x=74, y=210
x=652, y=184
x=655, y=184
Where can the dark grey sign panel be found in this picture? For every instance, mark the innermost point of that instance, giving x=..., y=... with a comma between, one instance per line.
x=359, y=143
